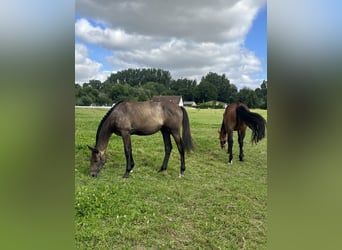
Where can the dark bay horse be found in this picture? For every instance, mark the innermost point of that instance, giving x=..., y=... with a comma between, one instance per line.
x=142, y=118
x=237, y=117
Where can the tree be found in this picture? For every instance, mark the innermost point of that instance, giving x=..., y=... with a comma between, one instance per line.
x=104, y=100
x=96, y=84
x=226, y=92
x=142, y=95
x=248, y=97
x=84, y=101
x=262, y=95
x=154, y=88
x=233, y=94
x=184, y=87
x=77, y=89
x=205, y=91
x=143, y=84
x=119, y=92
x=138, y=77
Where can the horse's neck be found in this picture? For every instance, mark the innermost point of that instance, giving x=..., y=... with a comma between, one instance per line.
x=223, y=129
x=103, y=138
x=223, y=134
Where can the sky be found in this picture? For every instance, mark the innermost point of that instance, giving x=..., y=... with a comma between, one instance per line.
x=187, y=38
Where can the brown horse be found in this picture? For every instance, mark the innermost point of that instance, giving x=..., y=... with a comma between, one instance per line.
x=237, y=117
x=142, y=118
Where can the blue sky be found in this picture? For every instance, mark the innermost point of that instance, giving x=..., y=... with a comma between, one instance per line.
x=257, y=38
x=229, y=39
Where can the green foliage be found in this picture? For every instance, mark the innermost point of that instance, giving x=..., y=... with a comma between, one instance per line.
x=184, y=88
x=215, y=206
x=143, y=84
x=262, y=95
x=138, y=77
x=248, y=97
x=225, y=91
x=212, y=105
x=154, y=88
x=205, y=91
x=84, y=101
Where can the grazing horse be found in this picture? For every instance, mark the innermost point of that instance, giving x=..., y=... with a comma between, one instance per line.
x=237, y=117
x=142, y=118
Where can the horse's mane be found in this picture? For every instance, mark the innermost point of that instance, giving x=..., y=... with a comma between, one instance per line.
x=104, y=119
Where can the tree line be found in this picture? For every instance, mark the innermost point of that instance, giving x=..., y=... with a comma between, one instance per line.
x=143, y=84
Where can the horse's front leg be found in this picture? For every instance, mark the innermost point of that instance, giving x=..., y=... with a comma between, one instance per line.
x=167, y=147
x=230, y=146
x=126, y=137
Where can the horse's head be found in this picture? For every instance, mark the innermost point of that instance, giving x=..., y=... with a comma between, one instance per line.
x=97, y=160
x=223, y=138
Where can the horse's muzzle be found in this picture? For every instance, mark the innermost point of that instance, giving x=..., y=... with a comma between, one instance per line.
x=93, y=175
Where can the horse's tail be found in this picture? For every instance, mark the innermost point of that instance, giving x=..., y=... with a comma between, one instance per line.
x=254, y=121
x=186, y=136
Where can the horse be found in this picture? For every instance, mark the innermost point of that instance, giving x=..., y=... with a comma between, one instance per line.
x=142, y=118
x=237, y=117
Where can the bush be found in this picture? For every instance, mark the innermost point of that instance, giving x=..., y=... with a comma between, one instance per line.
x=212, y=105
x=84, y=101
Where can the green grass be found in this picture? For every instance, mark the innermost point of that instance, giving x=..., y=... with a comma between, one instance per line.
x=215, y=206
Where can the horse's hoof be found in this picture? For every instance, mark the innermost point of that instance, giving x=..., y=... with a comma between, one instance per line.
x=181, y=175
x=230, y=162
x=126, y=175
x=161, y=170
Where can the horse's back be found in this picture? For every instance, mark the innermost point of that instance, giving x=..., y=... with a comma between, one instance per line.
x=230, y=116
x=146, y=117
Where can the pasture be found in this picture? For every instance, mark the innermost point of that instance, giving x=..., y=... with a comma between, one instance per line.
x=214, y=206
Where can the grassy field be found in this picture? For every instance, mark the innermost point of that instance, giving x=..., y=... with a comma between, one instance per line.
x=215, y=206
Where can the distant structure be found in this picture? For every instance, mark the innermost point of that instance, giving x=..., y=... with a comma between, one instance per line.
x=164, y=98
x=190, y=103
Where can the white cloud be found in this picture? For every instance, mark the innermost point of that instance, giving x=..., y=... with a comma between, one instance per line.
x=198, y=20
x=85, y=68
x=112, y=39
x=188, y=38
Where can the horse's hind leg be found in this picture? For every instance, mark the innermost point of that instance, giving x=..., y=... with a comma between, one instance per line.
x=241, y=136
x=167, y=147
x=126, y=137
x=230, y=146
x=179, y=142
